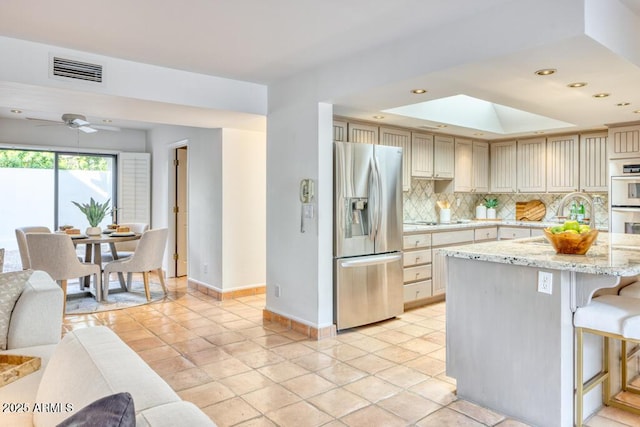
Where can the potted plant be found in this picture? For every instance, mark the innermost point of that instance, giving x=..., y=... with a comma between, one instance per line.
x=95, y=213
x=491, y=205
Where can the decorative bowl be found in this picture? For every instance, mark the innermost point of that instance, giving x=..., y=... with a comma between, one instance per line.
x=571, y=243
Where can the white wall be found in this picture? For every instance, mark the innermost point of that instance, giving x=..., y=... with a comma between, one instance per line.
x=243, y=209
x=26, y=133
x=128, y=79
x=226, y=202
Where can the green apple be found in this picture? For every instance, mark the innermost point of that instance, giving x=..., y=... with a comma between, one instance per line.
x=584, y=228
x=571, y=225
x=557, y=229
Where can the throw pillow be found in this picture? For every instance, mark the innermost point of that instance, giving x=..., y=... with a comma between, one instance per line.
x=11, y=287
x=116, y=410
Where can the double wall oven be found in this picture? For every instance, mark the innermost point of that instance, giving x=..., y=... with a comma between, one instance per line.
x=624, y=196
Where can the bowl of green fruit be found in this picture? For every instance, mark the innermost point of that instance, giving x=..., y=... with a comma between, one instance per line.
x=571, y=237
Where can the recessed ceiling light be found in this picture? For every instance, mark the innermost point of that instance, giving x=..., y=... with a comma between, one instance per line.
x=546, y=71
x=442, y=126
x=378, y=117
x=622, y=104
x=419, y=91
x=637, y=111
x=577, y=84
x=16, y=111
x=601, y=95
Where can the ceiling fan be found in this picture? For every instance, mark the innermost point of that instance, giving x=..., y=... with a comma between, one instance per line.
x=77, y=121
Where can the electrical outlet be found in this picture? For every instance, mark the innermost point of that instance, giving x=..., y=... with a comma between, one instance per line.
x=545, y=282
x=277, y=291
x=205, y=268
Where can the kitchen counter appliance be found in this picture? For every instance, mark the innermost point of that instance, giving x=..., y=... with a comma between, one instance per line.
x=624, y=216
x=367, y=233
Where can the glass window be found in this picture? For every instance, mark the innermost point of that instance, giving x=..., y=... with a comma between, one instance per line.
x=82, y=177
x=43, y=184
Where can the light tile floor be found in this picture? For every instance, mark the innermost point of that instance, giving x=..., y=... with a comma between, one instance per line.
x=243, y=372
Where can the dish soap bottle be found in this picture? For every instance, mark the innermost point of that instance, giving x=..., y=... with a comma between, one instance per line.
x=580, y=215
x=573, y=212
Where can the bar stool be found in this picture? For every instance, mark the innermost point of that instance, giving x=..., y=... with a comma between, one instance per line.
x=630, y=291
x=609, y=316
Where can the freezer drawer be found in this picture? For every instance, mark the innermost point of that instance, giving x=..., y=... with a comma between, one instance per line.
x=368, y=289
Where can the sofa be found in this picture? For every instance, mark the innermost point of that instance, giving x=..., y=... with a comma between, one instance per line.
x=84, y=366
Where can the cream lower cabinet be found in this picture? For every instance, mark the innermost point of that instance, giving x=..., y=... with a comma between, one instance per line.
x=417, y=266
x=441, y=240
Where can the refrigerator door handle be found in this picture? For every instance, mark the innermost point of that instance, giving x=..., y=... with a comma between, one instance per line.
x=370, y=260
x=378, y=206
x=373, y=203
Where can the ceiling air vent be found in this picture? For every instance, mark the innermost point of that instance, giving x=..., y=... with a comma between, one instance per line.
x=72, y=69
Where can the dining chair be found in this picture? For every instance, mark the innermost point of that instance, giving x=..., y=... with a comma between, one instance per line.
x=126, y=249
x=147, y=257
x=21, y=233
x=56, y=254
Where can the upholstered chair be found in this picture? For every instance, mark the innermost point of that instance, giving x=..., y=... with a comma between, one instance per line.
x=126, y=249
x=56, y=254
x=22, y=242
x=147, y=257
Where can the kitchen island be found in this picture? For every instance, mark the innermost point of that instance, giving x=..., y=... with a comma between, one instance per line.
x=510, y=345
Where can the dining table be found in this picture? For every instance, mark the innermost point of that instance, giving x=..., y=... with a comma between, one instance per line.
x=93, y=248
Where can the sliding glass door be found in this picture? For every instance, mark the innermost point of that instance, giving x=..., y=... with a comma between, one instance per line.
x=39, y=186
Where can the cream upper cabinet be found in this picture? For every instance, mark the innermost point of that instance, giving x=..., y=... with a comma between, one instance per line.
x=359, y=132
x=594, y=170
x=421, y=155
x=463, y=165
x=532, y=165
x=471, y=166
x=503, y=167
x=339, y=130
x=563, y=163
x=399, y=138
x=480, y=166
x=624, y=142
x=443, y=157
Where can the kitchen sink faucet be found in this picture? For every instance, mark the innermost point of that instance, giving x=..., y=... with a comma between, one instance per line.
x=578, y=195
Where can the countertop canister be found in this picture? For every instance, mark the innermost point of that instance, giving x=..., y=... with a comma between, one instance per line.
x=481, y=212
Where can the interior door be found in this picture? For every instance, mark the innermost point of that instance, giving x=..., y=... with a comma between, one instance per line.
x=181, y=214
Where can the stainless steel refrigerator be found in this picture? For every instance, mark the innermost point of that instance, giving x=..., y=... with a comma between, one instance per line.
x=367, y=233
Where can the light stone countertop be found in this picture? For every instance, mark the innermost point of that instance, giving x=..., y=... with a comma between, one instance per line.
x=410, y=227
x=613, y=254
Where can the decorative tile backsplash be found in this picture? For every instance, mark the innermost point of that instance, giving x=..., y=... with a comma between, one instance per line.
x=420, y=204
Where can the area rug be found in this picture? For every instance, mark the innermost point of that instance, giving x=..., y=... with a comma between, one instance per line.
x=117, y=300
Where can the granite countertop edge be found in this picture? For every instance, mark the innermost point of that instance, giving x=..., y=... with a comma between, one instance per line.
x=409, y=227
x=613, y=254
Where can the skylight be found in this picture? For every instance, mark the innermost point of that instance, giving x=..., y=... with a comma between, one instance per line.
x=474, y=113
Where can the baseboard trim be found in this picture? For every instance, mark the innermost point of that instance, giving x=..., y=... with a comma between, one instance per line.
x=310, y=331
x=221, y=296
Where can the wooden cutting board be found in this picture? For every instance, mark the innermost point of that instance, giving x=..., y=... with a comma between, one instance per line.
x=533, y=210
